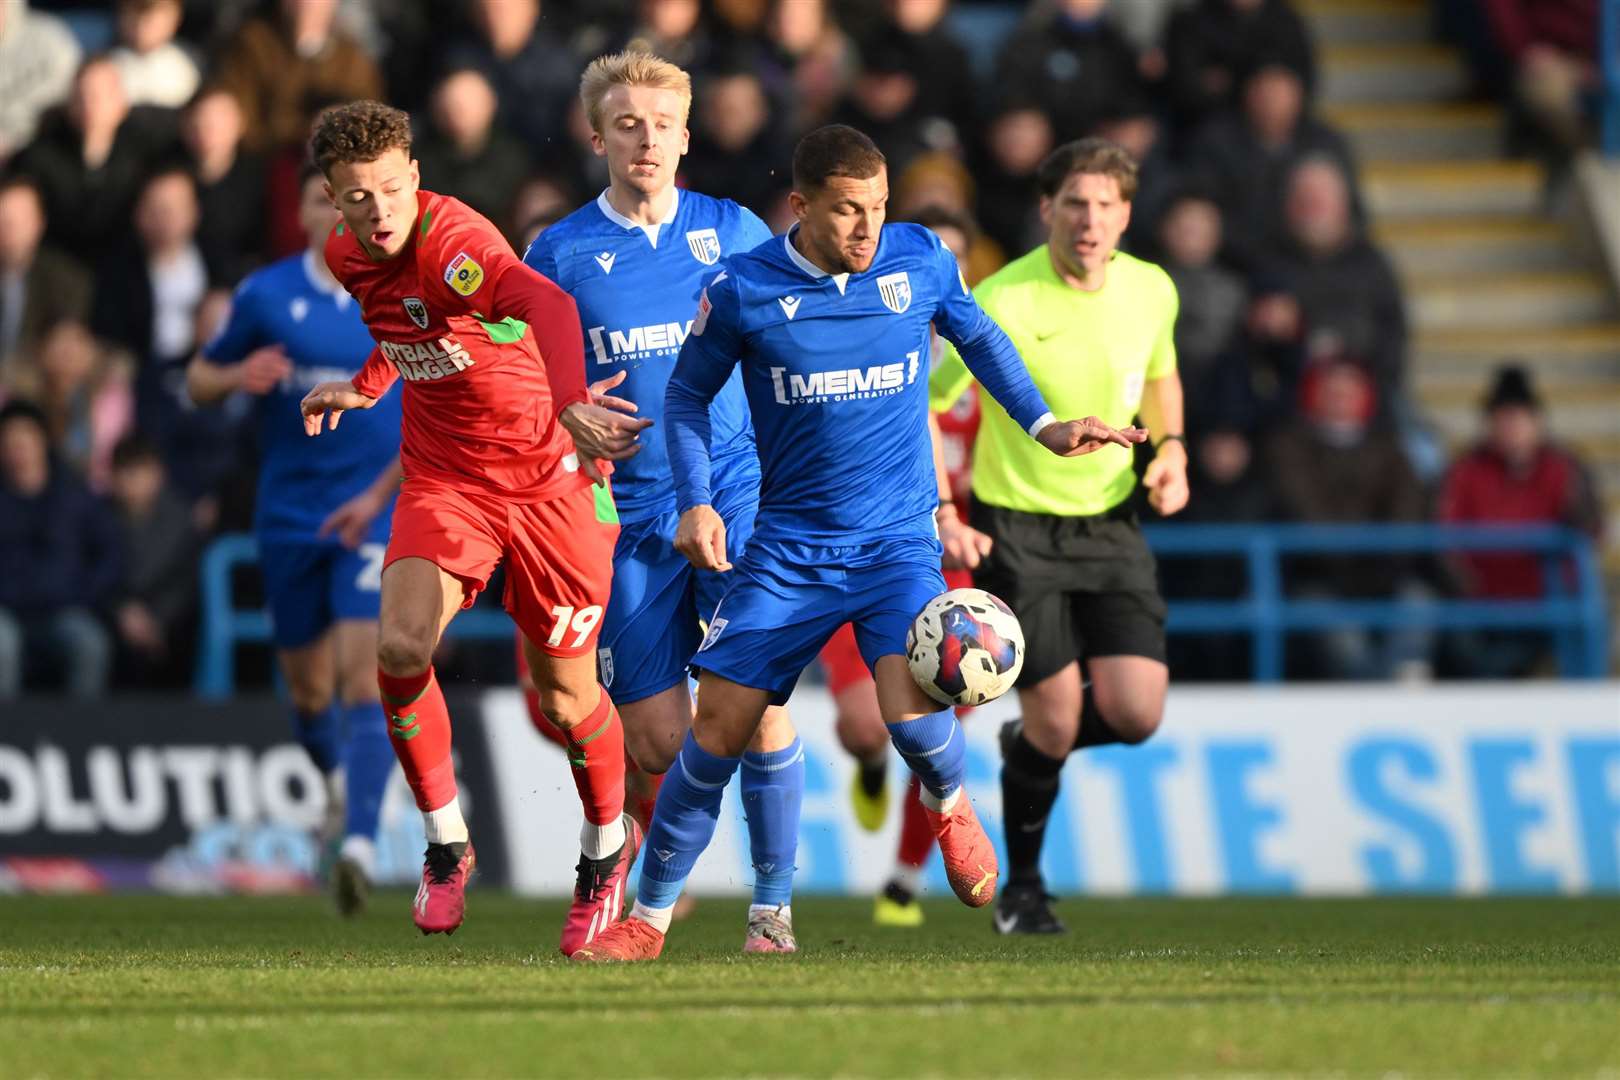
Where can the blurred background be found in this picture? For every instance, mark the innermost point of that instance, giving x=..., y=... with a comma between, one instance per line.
x=1394, y=226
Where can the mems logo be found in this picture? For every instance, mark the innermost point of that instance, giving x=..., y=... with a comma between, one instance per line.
x=848, y=384
x=424, y=361
x=638, y=342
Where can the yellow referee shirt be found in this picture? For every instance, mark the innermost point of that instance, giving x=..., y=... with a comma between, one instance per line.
x=1090, y=353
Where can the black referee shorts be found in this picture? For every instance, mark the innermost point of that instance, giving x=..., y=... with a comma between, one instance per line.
x=1080, y=586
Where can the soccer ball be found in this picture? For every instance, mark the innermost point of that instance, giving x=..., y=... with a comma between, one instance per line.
x=965, y=647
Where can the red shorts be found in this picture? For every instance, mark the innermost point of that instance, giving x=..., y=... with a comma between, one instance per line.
x=558, y=554
x=841, y=660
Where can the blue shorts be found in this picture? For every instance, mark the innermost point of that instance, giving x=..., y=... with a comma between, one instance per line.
x=310, y=586
x=784, y=601
x=655, y=617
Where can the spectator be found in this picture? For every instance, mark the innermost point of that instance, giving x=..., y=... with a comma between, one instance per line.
x=158, y=590
x=1210, y=323
x=940, y=183
x=1348, y=297
x=540, y=197
x=282, y=68
x=534, y=75
x=38, y=285
x=230, y=184
x=1246, y=157
x=1134, y=124
x=147, y=300
x=83, y=391
x=946, y=88
x=463, y=154
x=65, y=539
x=1210, y=45
x=1073, y=64
x=38, y=56
x=157, y=69
x=1018, y=139
x=1335, y=465
x=1516, y=475
x=673, y=29
x=737, y=153
x=1552, y=47
x=90, y=159
x=812, y=62
x=885, y=102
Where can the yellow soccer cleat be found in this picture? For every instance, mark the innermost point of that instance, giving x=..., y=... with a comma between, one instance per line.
x=897, y=906
x=869, y=794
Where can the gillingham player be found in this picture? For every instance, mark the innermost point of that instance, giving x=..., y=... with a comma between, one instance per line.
x=830, y=326
x=500, y=449
x=321, y=520
x=634, y=261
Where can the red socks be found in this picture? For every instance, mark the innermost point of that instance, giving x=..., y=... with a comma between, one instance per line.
x=916, y=835
x=419, y=728
x=643, y=792
x=595, y=750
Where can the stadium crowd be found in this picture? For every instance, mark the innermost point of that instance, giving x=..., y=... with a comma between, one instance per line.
x=150, y=157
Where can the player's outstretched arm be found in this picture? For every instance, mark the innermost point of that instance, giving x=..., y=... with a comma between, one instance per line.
x=1073, y=438
x=331, y=399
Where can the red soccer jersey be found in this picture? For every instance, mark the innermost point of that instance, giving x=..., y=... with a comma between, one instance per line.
x=490, y=351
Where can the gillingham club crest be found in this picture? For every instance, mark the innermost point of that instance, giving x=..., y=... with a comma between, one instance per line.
x=417, y=311
x=705, y=246
x=896, y=291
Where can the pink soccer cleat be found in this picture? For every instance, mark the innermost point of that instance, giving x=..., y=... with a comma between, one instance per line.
x=970, y=858
x=441, y=899
x=624, y=942
x=770, y=930
x=599, y=892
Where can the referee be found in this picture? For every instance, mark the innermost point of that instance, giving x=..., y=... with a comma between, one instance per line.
x=1065, y=551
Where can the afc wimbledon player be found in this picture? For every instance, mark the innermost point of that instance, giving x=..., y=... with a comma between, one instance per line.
x=830, y=327
x=634, y=261
x=321, y=519
x=500, y=448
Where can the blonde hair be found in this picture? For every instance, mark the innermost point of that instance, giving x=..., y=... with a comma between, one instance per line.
x=630, y=68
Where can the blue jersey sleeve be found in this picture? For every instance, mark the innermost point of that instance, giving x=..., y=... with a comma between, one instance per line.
x=708, y=357
x=542, y=256
x=754, y=231
x=987, y=350
x=242, y=332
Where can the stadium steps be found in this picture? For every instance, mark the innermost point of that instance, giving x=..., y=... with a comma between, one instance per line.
x=1488, y=274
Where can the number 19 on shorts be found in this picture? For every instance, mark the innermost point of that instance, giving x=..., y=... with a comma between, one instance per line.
x=580, y=621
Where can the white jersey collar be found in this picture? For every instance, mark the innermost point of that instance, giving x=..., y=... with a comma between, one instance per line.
x=809, y=267
x=651, y=229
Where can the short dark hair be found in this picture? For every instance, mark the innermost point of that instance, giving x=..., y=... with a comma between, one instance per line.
x=943, y=217
x=1512, y=386
x=358, y=131
x=19, y=409
x=135, y=449
x=21, y=181
x=834, y=150
x=1099, y=157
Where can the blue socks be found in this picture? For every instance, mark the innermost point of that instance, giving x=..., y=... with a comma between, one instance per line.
x=368, y=762
x=772, y=794
x=934, y=748
x=683, y=824
x=321, y=736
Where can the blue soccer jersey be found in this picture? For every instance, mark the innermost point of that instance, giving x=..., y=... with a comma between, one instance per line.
x=835, y=367
x=302, y=480
x=637, y=288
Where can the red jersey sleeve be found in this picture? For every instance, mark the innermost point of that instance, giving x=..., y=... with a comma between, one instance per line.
x=480, y=274
x=376, y=376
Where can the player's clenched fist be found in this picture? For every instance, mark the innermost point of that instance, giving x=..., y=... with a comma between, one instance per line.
x=334, y=398
x=602, y=434
x=701, y=537
x=1076, y=437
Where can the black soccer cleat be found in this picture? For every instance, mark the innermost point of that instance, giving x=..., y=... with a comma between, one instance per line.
x=1026, y=909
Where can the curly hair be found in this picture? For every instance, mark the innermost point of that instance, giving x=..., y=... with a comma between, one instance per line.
x=358, y=131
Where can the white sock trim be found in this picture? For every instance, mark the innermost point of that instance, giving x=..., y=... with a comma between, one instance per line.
x=600, y=841
x=445, y=825
x=938, y=805
x=657, y=918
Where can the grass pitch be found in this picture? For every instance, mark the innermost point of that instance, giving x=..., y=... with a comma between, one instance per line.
x=150, y=986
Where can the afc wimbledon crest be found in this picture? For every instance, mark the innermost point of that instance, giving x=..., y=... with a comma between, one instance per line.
x=417, y=311
x=705, y=246
x=896, y=291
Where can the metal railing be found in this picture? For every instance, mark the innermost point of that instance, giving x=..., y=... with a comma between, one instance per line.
x=1574, y=615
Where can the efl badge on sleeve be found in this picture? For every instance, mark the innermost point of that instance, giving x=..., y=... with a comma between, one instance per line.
x=896, y=291
x=705, y=246
x=417, y=311
x=464, y=274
